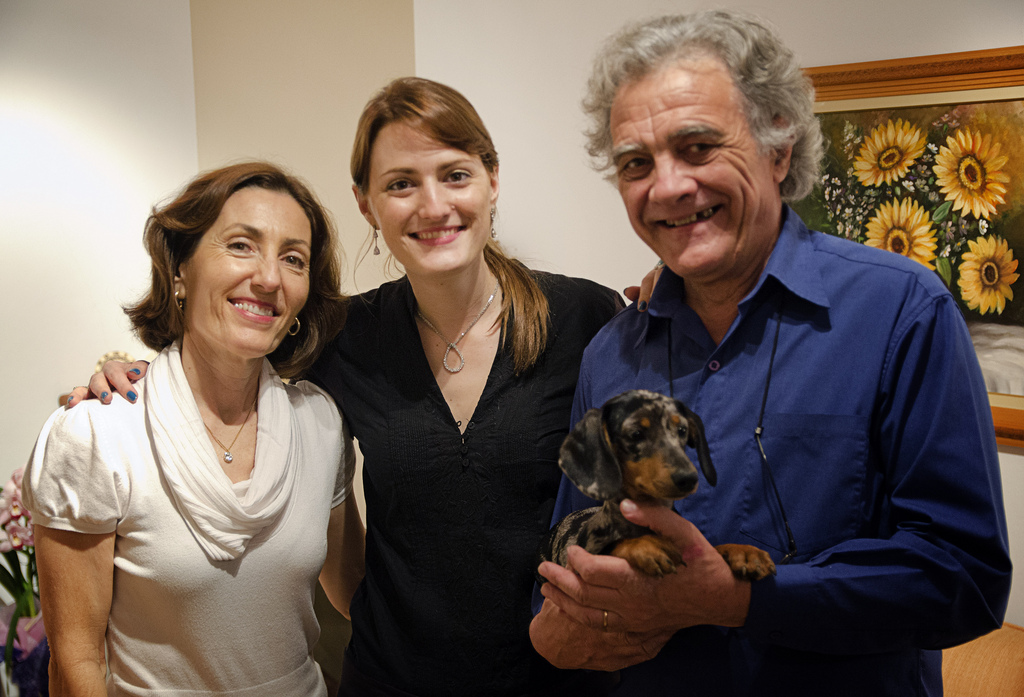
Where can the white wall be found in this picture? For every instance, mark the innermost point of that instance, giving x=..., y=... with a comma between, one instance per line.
x=97, y=123
x=523, y=64
x=1012, y=461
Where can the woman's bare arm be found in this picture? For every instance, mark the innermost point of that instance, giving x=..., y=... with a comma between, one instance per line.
x=76, y=582
x=344, y=567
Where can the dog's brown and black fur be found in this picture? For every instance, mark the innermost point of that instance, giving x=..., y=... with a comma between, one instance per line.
x=635, y=447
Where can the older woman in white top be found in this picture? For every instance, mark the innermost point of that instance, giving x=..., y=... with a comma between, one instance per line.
x=179, y=544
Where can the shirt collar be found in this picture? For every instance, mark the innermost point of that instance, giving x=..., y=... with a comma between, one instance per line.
x=792, y=263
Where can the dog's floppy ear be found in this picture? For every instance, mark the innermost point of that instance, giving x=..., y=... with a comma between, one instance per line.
x=586, y=458
x=698, y=442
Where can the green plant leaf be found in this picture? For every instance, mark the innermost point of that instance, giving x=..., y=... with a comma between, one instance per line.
x=8, y=581
x=941, y=212
x=12, y=630
x=945, y=270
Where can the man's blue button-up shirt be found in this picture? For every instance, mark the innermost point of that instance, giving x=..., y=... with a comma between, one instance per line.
x=878, y=432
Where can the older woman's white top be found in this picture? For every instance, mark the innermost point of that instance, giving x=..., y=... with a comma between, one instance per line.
x=183, y=622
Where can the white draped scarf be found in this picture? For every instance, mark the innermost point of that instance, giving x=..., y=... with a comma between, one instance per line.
x=220, y=520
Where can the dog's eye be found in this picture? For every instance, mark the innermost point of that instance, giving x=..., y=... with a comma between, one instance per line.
x=635, y=435
x=682, y=432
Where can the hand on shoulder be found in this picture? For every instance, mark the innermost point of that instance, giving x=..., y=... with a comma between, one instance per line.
x=116, y=376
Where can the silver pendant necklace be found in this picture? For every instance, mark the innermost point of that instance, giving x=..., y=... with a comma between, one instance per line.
x=228, y=457
x=453, y=345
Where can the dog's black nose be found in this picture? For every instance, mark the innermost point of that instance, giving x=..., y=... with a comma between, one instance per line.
x=685, y=481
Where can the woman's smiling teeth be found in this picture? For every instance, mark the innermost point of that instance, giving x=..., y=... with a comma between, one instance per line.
x=254, y=309
x=436, y=234
x=700, y=215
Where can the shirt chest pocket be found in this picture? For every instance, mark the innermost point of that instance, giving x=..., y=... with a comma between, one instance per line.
x=820, y=467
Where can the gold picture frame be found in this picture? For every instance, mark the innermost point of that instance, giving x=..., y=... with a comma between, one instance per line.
x=965, y=77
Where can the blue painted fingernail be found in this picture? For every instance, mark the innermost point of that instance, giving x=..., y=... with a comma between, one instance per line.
x=104, y=395
x=136, y=371
x=71, y=398
x=131, y=396
x=642, y=306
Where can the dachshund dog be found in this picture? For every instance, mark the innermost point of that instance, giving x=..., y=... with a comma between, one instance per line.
x=634, y=447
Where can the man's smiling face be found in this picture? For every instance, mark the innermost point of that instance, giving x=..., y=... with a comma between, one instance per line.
x=697, y=188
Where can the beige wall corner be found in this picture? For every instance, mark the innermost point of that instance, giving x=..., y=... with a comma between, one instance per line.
x=286, y=82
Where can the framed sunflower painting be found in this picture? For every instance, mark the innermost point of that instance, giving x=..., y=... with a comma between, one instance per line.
x=925, y=158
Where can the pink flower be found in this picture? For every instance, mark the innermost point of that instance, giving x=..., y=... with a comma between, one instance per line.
x=11, y=507
x=19, y=535
x=6, y=501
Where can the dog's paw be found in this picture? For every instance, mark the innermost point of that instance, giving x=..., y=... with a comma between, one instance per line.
x=747, y=562
x=651, y=555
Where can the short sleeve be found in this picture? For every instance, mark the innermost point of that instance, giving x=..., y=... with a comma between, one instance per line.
x=334, y=438
x=75, y=478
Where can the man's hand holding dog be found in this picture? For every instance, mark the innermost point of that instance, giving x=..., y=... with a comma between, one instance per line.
x=566, y=643
x=642, y=612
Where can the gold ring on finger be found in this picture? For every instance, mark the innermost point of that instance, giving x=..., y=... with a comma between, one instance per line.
x=605, y=625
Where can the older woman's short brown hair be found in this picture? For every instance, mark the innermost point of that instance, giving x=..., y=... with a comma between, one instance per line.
x=174, y=230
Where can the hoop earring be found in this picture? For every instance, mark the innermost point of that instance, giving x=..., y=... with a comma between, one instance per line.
x=294, y=329
x=180, y=302
x=376, y=249
x=494, y=212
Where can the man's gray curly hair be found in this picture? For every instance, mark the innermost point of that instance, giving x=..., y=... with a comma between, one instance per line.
x=778, y=98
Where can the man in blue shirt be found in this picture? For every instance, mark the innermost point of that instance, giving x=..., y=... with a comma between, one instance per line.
x=878, y=492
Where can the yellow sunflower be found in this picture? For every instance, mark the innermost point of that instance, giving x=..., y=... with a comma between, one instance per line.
x=969, y=170
x=903, y=227
x=986, y=274
x=888, y=153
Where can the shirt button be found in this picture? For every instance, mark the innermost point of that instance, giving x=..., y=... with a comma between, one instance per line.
x=713, y=366
x=470, y=426
x=465, y=449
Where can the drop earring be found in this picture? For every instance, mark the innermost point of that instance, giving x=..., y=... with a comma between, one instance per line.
x=376, y=249
x=494, y=212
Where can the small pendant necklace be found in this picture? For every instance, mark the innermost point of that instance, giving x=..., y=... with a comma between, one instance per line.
x=453, y=345
x=228, y=457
